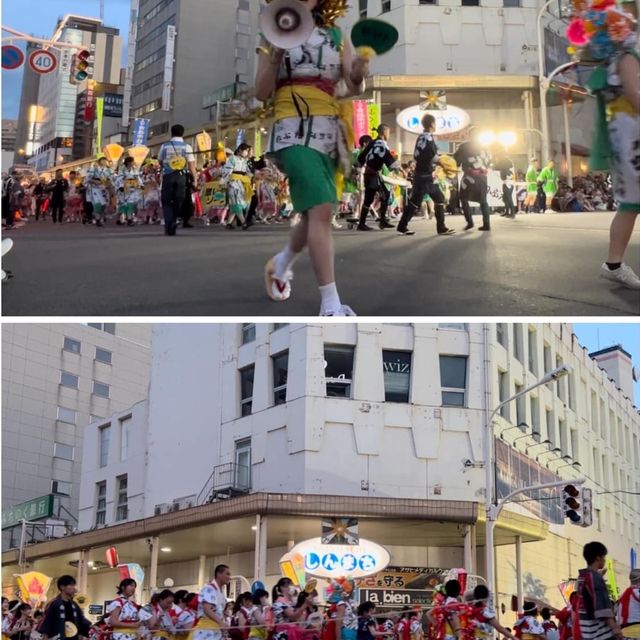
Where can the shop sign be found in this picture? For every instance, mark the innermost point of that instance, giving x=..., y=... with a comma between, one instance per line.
x=396, y=597
x=405, y=578
x=448, y=120
x=95, y=609
x=32, y=510
x=113, y=104
x=336, y=560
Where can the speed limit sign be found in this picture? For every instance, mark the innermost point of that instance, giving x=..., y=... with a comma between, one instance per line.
x=42, y=61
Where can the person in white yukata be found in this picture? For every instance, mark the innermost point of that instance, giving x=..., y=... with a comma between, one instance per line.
x=211, y=603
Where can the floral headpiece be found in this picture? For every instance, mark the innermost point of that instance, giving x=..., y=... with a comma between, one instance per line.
x=598, y=29
x=333, y=593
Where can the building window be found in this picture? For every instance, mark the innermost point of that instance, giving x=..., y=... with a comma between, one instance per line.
x=107, y=327
x=280, y=370
x=66, y=415
x=386, y=6
x=594, y=413
x=427, y=2
x=510, y=3
x=246, y=390
x=461, y=326
x=100, y=389
x=397, y=375
x=122, y=510
x=533, y=352
x=521, y=408
x=517, y=342
x=125, y=435
x=575, y=445
x=453, y=379
x=248, y=332
x=547, y=358
x=243, y=464
x=551, y=426
x=503, y=390
x=61, y=488
x=570, y=390
x=68, y=380
x=101, y=506
x=71, y=345
x=338, y=370
x=561, y=389
x=279, y=325
x=501, y=333
x=105, y=436
x=564, y=441
x=470, y=3
x=62, y=451
x=362, y=8
x=102, y=355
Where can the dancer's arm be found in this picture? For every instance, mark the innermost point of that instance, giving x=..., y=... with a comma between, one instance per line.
x=629, y=70
x=269, y=59
x=354, y=70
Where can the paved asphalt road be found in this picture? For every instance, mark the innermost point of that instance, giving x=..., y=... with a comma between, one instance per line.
x=536, y=265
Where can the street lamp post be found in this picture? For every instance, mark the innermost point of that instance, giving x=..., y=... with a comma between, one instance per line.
x=543, y=84
x=492, y=505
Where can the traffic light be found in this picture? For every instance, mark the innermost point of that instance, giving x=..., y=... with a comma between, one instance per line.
x=79, y=66
x=577, y=505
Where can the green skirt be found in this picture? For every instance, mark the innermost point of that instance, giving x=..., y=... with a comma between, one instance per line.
x=312, y=176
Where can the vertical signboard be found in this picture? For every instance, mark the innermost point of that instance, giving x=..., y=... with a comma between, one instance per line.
x=99, y=116
x=131, y=61
x=140, y=131
x=167, y=80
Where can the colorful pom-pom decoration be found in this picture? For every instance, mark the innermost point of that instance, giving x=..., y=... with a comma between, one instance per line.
x=576, y=33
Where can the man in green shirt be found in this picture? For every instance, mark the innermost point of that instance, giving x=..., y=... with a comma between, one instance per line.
x=531, y=178
x=549, y=178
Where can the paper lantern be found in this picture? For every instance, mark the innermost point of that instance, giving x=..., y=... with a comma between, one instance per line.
x=113, y=152
x=138, y=153
x=112, y=557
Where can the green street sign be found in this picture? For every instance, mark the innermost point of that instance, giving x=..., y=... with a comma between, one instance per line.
x=36, y=509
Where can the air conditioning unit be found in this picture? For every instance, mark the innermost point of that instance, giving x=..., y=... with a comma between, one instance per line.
x=160, y=509
x=184, y=503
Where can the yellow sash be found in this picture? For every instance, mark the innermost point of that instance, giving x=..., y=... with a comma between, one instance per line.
x=320, y=103
x=159, y=634
x=131, y=631
x=621, y=105
x=203, y=623
x=248, y=189
x=632, y=631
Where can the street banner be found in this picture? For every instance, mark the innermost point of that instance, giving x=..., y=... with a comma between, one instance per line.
x=89, y=101
x=140, y=131
x=610, y=579
x=374, y=117
x=408, y=578
x=360, y=119
x=99, y=115
x=257, y=145
x=167, y=80
x=33, y=588
x=203, y=142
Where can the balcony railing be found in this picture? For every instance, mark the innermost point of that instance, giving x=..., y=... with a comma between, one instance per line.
x=226, y=481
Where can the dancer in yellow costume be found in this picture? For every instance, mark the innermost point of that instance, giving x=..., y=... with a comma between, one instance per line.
x=308, y=142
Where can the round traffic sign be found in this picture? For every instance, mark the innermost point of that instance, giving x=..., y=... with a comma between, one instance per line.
x=12, y=57
x=42, y=61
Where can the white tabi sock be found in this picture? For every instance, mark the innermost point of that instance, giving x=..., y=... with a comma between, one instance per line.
x=330, y=298
x=284, y=261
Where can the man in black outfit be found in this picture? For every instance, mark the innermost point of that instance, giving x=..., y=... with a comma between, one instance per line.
x=63, y=618
x=176, y=159
x=255, y=164
x=58, y=188
x=475, y=163
x=373, y=158
x=40, y=195
x=425, y=155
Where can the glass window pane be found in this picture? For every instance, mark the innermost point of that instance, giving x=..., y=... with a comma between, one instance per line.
x=280, y=370
x=109, y=327
x=453, y=398
x=100, y=389
x=71, y=345
x=397, y=375
x=102, y=355
x=105, y=435
x=246, y=382
x=248, y=332
x=68, y=380
x=66, y=415
x=338, y=370
x=453, y=372
x=63, y=451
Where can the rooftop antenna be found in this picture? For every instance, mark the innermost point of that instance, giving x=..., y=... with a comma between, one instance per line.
x=102, y=10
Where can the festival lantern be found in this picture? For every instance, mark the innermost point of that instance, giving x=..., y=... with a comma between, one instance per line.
x=112, y=557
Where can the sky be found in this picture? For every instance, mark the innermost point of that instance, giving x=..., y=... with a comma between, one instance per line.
x=39, y=17
x=599, y=336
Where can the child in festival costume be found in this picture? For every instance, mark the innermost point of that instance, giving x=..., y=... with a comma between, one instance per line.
x=308, y=142
x=528, y=627
x=150, y=202
x=484, y=618
x=549, y=178
x=129, y=185
x=239, y=190
x=549, y=626
x=342, y=616
x=531, y=178
x=629, y=607
x=607, y=34
x=161, y=625
x=98, y=182
x=258, y=620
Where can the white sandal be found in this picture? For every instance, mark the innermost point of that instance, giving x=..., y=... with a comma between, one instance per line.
x=278, y=290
